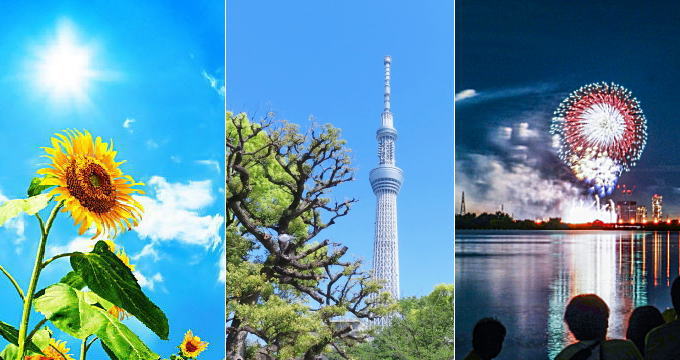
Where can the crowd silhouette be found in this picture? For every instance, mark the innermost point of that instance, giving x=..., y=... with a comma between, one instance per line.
x=651, y=335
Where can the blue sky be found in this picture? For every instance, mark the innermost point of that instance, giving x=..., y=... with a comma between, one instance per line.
x=158, y=93
x=326, y=60
x=518, y=60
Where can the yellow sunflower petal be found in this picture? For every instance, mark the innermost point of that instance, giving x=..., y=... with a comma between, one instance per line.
x=89, y=181
x=192, y=345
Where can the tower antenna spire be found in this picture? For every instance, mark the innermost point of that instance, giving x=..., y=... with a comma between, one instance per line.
x=388, y=63
x=387, y=121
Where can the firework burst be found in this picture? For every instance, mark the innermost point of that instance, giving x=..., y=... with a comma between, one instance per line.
x=600, y=132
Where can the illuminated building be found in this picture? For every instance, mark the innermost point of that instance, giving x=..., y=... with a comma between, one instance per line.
x=626, y=210
x=657, y=205
x=641, y=214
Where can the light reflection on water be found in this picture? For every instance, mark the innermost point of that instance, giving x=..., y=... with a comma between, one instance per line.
x=525, y=279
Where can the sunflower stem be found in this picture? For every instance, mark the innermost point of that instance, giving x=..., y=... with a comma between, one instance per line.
x=87, y=347
x=35, y=329
x=14, y=282
x=37, y=266
x=44, y=264
x=83, y=348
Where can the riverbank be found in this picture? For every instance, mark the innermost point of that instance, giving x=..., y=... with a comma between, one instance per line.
x=503, y=221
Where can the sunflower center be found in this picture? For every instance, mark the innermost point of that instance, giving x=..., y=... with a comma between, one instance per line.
x=190, y=346
x=94, y=180
x=91, y=184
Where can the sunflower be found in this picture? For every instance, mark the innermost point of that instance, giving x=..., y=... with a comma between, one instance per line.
x=90, y=183
x=192, y=345
x=56, y=350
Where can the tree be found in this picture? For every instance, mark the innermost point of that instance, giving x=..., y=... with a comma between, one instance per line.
x=284, y=286
x=424, y=329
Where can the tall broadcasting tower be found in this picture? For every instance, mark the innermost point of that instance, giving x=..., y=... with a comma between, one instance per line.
x=386, y=181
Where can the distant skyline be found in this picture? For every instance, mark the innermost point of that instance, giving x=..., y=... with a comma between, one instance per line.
x=515, y=62
x=324, y=61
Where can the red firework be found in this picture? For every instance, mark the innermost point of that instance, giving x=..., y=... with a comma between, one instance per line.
x=600, y=120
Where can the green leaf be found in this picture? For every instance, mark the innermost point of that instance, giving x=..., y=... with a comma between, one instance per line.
x=12, y=208
x=9, y=352
x=108, y=351
x=41, y=338
x=68, y=310
x=73, y=280
x=11, y=334
x=105, y=274
x=35, y=188
x=80, y=314
x=122, y=343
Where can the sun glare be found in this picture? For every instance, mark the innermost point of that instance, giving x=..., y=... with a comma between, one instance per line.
x=64, y=66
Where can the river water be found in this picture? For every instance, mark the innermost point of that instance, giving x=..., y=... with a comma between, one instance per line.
x=525, y=279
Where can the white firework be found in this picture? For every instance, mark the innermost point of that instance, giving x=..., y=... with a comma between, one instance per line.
x=602, y=124
x=602, y=172
x=582, y=212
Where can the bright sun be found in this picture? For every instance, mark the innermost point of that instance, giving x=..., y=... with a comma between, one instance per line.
x=64, y=66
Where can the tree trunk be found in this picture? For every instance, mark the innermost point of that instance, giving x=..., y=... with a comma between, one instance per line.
x=314, y=352
x=236, y=341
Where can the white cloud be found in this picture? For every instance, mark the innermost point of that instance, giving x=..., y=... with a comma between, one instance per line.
x=210, y=163
x=522, y=175
x=192, y=195
x=465, y=94
x=128, y=124
x=215, y=83
x=489, y=182
x=16, y=225
x=176, y=159
x=151, y=144
x=174, y=215
x=147, y=250
x=148, y=282
x=79, y=243
x=502, y=93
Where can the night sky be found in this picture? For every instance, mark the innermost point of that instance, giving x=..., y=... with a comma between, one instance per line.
x=522, y=59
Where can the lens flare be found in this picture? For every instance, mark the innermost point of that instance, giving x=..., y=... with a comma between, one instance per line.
x=63, y=67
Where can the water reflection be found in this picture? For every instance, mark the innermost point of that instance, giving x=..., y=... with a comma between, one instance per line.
x=526, y=278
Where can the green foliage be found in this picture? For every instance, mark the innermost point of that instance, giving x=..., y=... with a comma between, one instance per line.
x=73, y=280
x=289, y=294
x=11, y=334
x=36, y=187
x=295, y=326
x=501, y=220
x=122, y=341
x=105, y=274
x=40, y=340
x=13, y=208
x=269, y=193
x=81, y=314
x=68, y=310
x=424, y=329
x=90, y=314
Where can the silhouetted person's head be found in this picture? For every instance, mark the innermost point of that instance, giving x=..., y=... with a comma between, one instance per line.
x=487, y=338
x=675, y=295
x=642, y=320
x=587, y=317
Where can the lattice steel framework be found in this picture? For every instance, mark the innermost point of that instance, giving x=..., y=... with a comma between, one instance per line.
x=386, y=180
